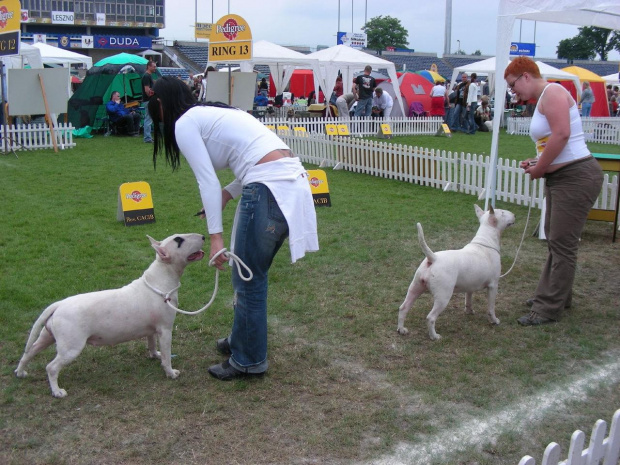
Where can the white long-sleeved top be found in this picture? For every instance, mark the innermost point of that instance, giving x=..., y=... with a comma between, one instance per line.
x=472, y=93
x=213, y=139
x=382, y=102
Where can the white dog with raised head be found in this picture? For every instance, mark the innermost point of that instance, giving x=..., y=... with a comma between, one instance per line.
x=110, y=317
x=475, y=267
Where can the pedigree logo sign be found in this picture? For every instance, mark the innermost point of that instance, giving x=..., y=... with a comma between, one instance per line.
x=231, y=40
x=135, y=203
x=10, y=16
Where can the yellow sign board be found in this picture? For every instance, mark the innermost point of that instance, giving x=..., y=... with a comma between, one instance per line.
x=343, y=130
x=300, y=131
x=10, y=16
x=319, y=188
x=331, y=129
x=231, y=40
x=203, y=30
x=385, y=131
x=444, y=130
x=135, y=203
x=283, y=129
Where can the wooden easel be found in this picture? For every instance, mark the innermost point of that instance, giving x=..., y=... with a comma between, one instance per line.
x=48, y=116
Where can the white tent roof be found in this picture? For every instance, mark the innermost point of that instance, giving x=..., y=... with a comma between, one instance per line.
x=51, y=55
x=149, y=53
x=601, y=13
x=282, y=62
x=612, y=79
x=28, y=55
x=348, y=61
x=488, y=67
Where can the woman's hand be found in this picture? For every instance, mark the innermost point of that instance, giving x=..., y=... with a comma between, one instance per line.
x=217, y=244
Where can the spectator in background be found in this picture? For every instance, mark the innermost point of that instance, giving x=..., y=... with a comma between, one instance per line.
x=202, y=96
x=472, y=104
x=438, y=100
x=365, y=87
x=587, y=99
x=613, y=105
x=338, y=90
x=483, y=115
x=382, y=104
x=311, y=98
x=344, y=104
x=260, y=100
x=459, y=106
x=129, y=120
x=147, y=92
x=263, y=86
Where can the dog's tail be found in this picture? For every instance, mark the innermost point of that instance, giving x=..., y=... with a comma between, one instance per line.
x=38, y=325
x=430, y=255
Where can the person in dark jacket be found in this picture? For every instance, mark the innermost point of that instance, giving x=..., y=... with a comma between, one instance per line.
x=121, y=116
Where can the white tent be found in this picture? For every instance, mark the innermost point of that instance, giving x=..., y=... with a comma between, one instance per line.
x=487, y=67
x=348, y=61
x=282, y=62
x=51, y=55
x=600, y=13
x=612, y=79
x=28, y=55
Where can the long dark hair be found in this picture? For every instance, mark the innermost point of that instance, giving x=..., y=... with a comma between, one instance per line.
x=175, y=98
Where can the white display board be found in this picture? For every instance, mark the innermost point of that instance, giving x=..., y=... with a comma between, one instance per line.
x=243, y=87
x=25, y=94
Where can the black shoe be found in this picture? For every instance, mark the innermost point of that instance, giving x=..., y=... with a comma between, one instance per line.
x=223, y=347
x=226, y=372
x=534, y=319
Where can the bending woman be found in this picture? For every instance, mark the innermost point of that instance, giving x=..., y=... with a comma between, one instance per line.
x=276, y=203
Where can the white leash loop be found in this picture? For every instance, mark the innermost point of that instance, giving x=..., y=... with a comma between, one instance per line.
x=527, y=220
x=231, y=256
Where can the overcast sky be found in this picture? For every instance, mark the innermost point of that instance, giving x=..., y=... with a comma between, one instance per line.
x=293, y=22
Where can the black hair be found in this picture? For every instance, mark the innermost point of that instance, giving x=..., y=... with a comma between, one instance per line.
x=175, y=98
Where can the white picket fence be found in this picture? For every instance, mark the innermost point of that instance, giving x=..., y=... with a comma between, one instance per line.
x=400, y=126
x=460, y=172
x=601, y=130
x=35, y=136
x=601, y=450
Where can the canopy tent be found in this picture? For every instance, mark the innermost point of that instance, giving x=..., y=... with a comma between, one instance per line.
x=28, y=56
x=411, y=87
x=600, y=107
x=432, y=76
x=149, y=53
x=613, y=79
x=282, y=62
x=487, y=67
x=600, y=13
x=121, y=72
x=347, y=60
x=301, y=83
x=57, y=56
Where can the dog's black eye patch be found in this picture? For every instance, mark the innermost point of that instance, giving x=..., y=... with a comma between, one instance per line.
x=179, y=240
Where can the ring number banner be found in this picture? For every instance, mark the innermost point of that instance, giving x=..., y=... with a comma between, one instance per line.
x=231, y=40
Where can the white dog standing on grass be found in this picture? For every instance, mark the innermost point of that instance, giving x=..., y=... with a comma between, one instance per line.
x=475, y=267
x=118, y=315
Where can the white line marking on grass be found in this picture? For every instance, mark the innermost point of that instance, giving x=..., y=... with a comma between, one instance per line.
x=518, y=417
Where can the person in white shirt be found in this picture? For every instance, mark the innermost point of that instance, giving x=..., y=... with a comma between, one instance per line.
x=382, y=103
x=276, y=203
x=438, y=99
x=472, y=104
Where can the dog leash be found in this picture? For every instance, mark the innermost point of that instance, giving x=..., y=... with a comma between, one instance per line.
x=231, y=256
x=527, y=220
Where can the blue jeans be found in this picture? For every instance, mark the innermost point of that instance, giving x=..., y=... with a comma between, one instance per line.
x=260, y=232
x=586, y=108
x=471, y=120
x=148, y=123
x=364, y=107
x=455, y=123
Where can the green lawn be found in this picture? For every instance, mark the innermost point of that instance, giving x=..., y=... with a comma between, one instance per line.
x=343, y=386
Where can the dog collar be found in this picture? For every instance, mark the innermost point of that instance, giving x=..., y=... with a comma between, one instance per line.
x=165, y=295
x=486, y=245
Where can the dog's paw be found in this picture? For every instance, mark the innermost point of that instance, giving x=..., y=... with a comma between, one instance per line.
x=21, y=373
x=173, y=374
x=60, y=393
x=155, y=355
x=494, y=320
x=434, y=337
x=402, y=330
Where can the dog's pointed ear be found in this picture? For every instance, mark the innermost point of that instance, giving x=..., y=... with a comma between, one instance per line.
x=479, y=211
x=161, y=251
x=491, y=211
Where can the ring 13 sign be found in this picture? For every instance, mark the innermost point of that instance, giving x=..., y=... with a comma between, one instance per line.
x=10, y=17
x=231, y=40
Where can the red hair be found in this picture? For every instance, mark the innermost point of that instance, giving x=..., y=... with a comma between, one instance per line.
x=522, y=65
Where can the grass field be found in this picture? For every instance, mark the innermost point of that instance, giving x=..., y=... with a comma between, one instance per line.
x=343, y=386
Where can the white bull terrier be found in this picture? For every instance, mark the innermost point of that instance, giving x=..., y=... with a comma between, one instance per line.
x=110, y=317
x=475, y=267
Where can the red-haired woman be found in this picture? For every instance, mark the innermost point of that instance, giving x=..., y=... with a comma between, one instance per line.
x=573, y=180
